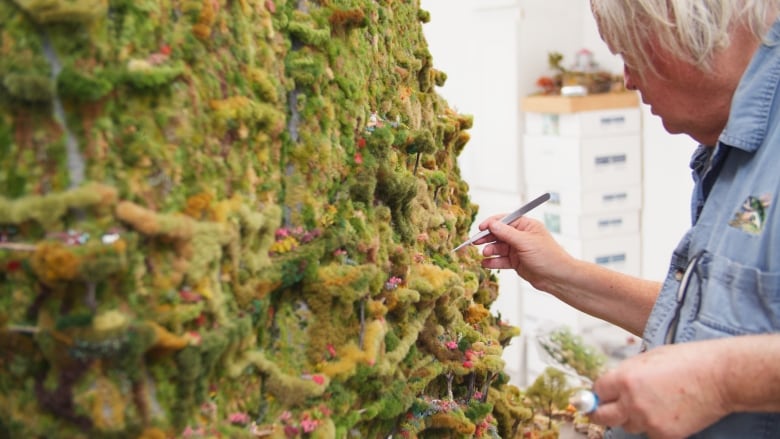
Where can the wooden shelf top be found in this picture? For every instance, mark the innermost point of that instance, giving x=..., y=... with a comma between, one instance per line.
x=574, y=104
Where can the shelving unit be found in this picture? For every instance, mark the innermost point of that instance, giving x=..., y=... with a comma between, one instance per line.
x=585, y=151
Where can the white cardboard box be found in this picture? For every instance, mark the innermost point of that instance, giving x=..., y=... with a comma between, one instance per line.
x=574, y=199
x=592, y=225
x=599, y=123
x=619, y=253
x=598, y=163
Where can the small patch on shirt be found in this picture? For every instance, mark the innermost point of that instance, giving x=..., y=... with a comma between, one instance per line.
x=752, y=214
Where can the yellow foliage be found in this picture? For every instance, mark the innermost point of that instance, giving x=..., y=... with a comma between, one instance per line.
x=450, y=422
x=431, y=280
x=106, y=405
x=373, y=340
x=109, y=320
x=166, y=340
x=476, y=312
x=47, y=11
x=150, y=222
x=222, y=210
x=53, y=262
x=152, y=433
x=349, y=356
x=376, y=308
x=285, y=245
x=197, y=205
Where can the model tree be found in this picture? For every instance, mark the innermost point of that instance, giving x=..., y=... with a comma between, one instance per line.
x=550, y=391
x=570, y=352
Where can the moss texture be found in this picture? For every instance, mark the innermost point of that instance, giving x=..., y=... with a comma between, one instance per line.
x=234, y=218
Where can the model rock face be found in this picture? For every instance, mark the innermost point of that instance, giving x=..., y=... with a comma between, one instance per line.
x=235, y=218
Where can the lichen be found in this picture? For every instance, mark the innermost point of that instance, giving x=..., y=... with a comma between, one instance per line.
x=261, y=240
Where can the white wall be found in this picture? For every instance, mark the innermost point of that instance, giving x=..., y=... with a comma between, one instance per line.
x=493, y=51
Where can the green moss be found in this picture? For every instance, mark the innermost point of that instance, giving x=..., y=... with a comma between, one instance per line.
x=73, y=84
x=246, y=220
x=301, y=29
x=77, y=11
x=29, y=87
x=147, y=78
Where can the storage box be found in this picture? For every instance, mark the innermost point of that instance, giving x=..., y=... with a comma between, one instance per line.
x=573, y=199
x=619, y=253
x=598, y=123
x=595, y=225
x=596, y=163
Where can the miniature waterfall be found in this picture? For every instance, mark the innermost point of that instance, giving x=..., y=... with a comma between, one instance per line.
x=76, y=166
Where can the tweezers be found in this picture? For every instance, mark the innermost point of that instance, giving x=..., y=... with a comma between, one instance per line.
x=533, y=204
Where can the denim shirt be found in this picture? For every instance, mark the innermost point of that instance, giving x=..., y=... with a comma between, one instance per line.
x=732, y=252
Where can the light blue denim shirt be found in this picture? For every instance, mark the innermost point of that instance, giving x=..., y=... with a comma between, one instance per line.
x=728, y=263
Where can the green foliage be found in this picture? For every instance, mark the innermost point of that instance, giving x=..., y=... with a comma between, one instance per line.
x=477, y=410
x=76, y=85
x=151, y=78
x=29, y=87
x=549, y=391
x=251, y=237
x=570, y=351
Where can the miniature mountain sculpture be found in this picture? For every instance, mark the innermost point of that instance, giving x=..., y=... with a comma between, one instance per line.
x=234, y=218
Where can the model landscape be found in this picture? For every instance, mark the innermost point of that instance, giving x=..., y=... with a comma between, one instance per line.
x=235, y=219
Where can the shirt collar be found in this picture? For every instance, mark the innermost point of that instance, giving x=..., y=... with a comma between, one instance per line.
x=752, y=103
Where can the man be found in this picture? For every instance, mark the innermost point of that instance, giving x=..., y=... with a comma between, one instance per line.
x=710, y=69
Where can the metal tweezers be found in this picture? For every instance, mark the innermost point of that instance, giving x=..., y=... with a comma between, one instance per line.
x=508, y=219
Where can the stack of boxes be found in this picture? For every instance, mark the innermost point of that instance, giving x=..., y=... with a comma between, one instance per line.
x=586, y=152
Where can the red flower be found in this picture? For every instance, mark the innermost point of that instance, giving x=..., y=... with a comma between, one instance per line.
x=361, y=142
x=468, y=364
x=13, y=265
x=319, y=379
x=165, y=49
x=358, y=158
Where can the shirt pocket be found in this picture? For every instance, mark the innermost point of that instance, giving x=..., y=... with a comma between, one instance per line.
x=728, y=298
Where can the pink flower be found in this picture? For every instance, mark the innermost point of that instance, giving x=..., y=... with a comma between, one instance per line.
x=238, y=418
x=291, y=431
x=478, y=395
x=319, y=379
x=331, y=350
x=468, y=364
x=285, y=416
x=187, y=295
x=309, y=425
x=358, y=158
x=452, y=345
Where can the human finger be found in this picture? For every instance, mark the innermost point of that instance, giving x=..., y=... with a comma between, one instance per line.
x=505, y=233
x=496, y=263
x=607, y=386
x=497, y=248
x=611, y=414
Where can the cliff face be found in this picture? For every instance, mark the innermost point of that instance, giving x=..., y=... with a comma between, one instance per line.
x=234, y=218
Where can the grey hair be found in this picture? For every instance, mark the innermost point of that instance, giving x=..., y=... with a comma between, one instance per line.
x=693, y=30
